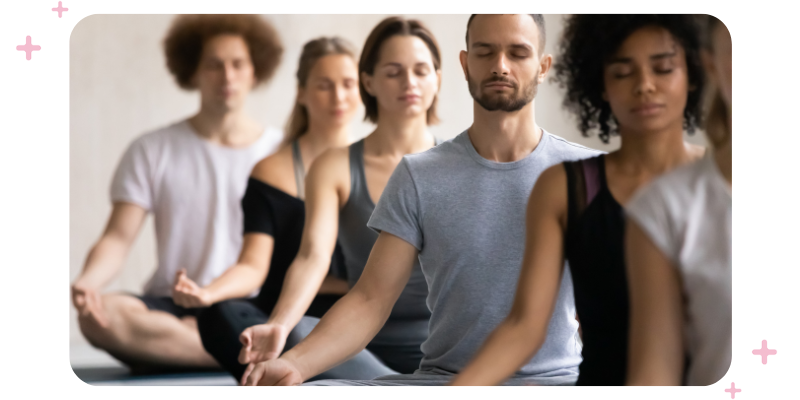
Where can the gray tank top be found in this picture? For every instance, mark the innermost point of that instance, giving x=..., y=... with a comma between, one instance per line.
x=299, y=170
x=357, y=239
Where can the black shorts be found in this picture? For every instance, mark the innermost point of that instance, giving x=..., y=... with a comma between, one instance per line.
x=166, y=304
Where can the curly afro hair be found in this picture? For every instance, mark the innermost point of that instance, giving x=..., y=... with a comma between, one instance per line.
x=184, y=42
x=589, y=41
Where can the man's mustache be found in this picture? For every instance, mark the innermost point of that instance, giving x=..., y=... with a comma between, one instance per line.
x=499, y=79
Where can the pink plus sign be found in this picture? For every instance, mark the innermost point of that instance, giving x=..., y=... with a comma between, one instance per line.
x=60, y=9
x=764, y=352
x=28, y=48
x=733, y=390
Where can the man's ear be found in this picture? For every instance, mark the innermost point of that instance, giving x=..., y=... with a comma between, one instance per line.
x=545, y=63
x=366, y=80
x=463, y=58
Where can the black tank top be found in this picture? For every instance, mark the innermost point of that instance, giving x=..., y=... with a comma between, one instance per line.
x=274, y=212
x=593, y=247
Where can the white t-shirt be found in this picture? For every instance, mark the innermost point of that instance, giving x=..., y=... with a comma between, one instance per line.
x=687, y=215
x=193, y=188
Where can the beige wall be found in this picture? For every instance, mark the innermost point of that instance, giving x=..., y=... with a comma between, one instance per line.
x=120, y=88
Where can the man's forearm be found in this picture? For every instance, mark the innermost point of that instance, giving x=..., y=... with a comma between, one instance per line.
x=103, y=263
x=343, y=332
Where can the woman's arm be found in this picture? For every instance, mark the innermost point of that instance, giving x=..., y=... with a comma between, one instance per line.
x=520, y=335
x=311, y=265
x=324, y=188
x=350, y=324
x=241, y=279
x=655, y=348
x=334, y=285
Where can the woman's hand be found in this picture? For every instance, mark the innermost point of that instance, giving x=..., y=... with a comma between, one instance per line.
x=277, y=372
x=262, y=342
x=188, y=294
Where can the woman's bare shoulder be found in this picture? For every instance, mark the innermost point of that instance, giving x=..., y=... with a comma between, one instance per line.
x=277, y=170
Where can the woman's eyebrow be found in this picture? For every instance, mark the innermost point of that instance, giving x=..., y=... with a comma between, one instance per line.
x=628, y=60
x=620, y=60
x=660, y=56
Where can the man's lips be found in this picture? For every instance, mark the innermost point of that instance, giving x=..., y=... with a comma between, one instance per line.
x=499, y=85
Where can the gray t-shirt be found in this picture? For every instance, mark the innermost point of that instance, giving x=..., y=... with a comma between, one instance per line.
x=466, y=216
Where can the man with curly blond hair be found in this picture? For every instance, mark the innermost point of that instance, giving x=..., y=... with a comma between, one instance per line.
x=191, y=176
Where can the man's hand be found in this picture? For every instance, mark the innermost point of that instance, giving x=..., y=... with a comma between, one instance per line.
x=262, y=342
x=89, y=303
x=187, y=294
x=276, y=372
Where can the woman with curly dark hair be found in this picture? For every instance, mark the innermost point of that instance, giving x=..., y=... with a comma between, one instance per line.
x=678, y=249
x=191, y=175
x=638, y=76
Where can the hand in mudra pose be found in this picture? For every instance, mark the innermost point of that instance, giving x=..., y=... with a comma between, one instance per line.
x=186, y=293
x=262, y=342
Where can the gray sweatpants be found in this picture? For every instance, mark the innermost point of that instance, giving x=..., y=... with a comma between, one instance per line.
x=364, y=364
x=441, y=378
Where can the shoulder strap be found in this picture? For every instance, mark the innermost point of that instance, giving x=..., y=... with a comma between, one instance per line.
x=584, y=180
x=592, y=169
x=357, y=176
x=299, y=170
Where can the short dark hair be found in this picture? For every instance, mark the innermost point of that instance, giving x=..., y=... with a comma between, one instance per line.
x=390, y=27
x=183, y=45
x=537, y=18
x=586, y=45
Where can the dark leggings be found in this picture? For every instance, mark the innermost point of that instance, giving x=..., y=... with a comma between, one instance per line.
x=221, y=324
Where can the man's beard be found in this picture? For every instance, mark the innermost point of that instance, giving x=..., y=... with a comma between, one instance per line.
x=502, y=102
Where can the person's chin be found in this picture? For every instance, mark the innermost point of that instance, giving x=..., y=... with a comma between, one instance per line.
x=232, y=104
x=498, y=97
x=337, y=121
x=414, y=110
x=649, y=125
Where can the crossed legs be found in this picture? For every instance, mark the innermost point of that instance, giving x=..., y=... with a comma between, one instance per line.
x=140, y=337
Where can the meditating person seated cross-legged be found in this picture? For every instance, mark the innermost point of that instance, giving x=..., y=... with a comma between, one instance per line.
x=399, y=81
x=191, y=176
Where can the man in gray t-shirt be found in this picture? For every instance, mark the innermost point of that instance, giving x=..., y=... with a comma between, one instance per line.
x=460, y=209
x=465, y=216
